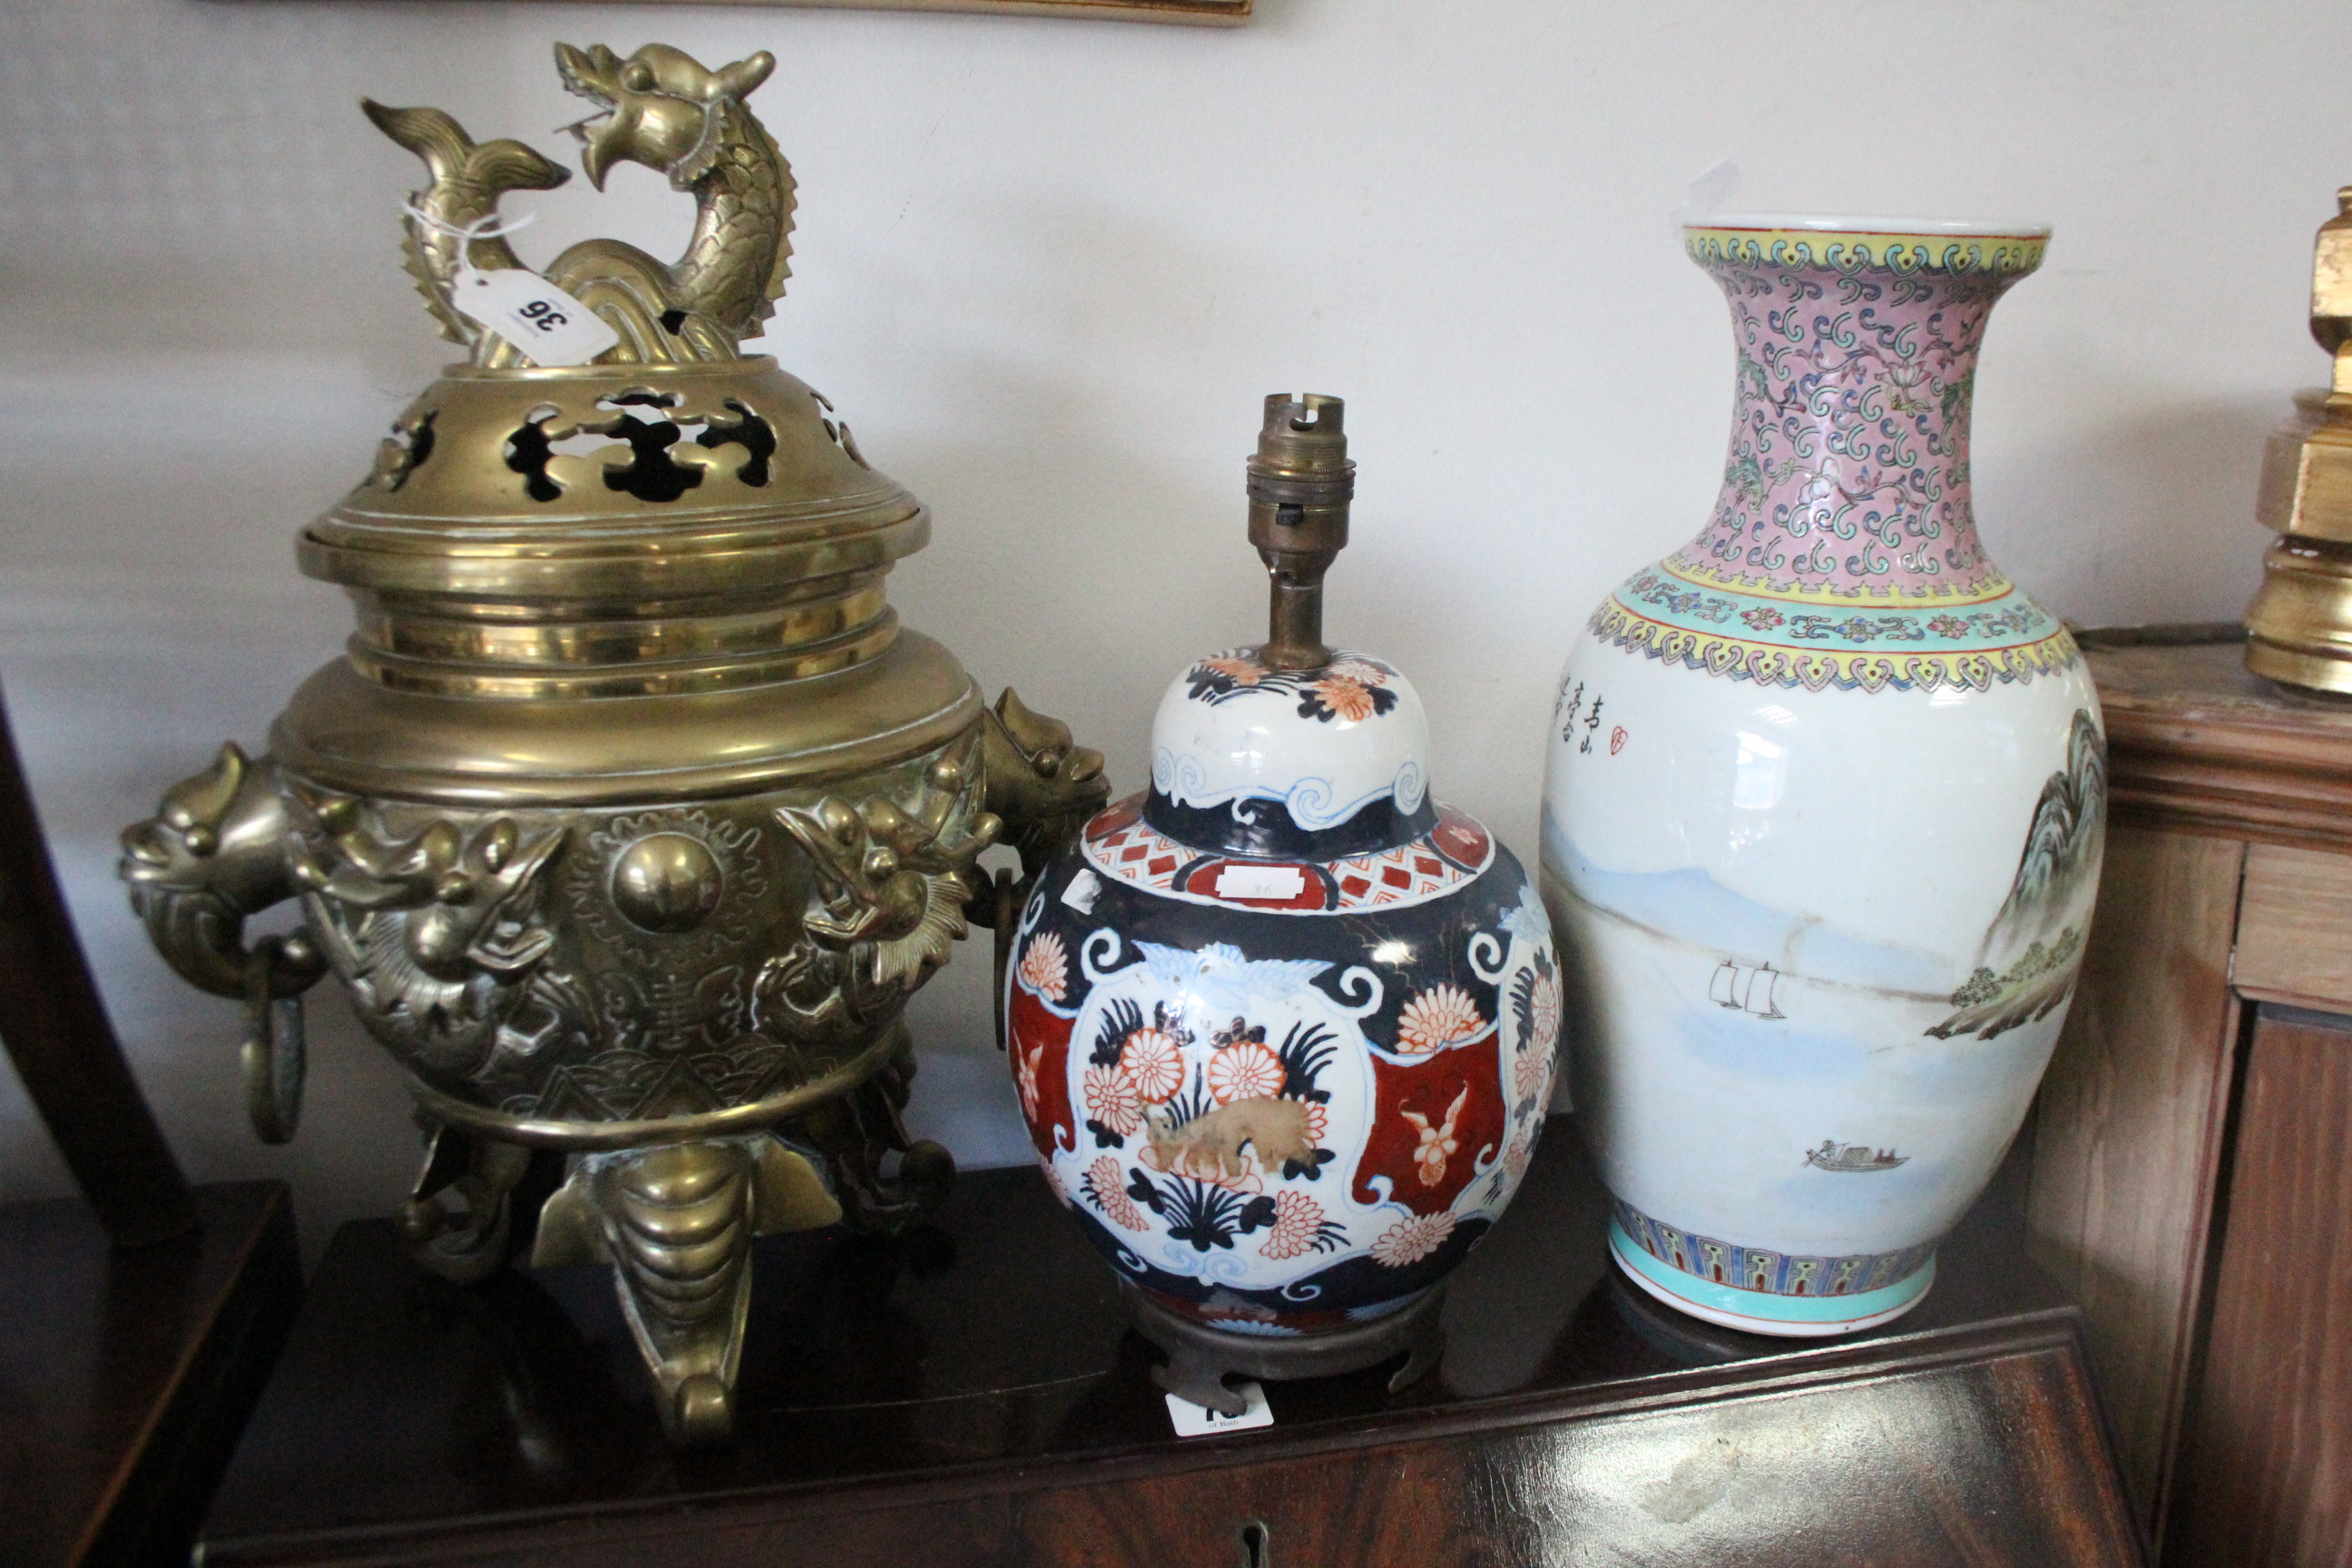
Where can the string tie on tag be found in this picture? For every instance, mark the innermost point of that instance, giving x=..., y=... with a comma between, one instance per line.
x=489, y=226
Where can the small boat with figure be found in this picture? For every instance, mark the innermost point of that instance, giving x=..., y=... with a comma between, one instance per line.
x=1852, y=1158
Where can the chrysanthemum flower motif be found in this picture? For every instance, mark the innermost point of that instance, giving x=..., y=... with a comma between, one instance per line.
x=1110, y=1100
x=1531, y=1074
x=1297, y=1219
x=1350, y=700
x=1046, y=967
x=1246, y=1071
x=1439, y=1017
x=1024, y=1075
x=1363, y=672
x=1543, y=1013
x=1514, y=1159
x=1319, y=1124
x=1241, y=671
x=1412, y=1238
x=1154, y=1065
x=1109, y=1193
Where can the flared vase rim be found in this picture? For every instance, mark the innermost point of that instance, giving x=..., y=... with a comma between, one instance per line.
x=1872, y=227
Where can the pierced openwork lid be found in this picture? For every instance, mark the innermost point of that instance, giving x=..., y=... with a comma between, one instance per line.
x=671, y=519
x=1293, y=747
x=615, y=530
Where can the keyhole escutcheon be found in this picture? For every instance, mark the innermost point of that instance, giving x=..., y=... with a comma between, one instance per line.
x=1257, y=1545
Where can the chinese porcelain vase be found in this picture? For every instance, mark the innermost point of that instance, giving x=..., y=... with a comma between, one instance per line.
x=1283, y=1026
x=1824, y=806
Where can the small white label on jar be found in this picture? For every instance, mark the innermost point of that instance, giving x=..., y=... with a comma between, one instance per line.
x=1083, y=888
x=1260, y=882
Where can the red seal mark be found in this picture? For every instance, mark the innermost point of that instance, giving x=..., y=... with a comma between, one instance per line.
x=1617, y=740
x=1460, y=840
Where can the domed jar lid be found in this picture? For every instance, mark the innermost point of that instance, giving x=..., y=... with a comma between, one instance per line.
x=1321, y=762
x=1293, y=751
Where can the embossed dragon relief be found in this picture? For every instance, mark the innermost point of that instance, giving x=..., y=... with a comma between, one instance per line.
x=664, y=993
x=646, y=964
x=438, y=934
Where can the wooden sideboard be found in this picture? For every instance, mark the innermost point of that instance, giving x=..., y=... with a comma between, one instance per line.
x=968, y=1394
x=2188, y=1182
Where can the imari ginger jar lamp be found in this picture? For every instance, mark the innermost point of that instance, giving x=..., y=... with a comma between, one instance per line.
x=1825, y=807
x=632, y=816
x=1283, y=1026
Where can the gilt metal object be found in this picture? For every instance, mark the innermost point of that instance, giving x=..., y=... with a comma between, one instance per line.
x=632, y=818
x=2299, y=626
x=1301, y=485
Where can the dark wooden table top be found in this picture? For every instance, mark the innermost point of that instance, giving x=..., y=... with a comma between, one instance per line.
x=984, y=1349
x=125, y=1374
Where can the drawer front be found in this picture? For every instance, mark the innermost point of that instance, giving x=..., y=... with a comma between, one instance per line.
x=1984, y=1462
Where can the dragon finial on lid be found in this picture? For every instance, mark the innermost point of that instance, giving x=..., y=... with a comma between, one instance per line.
x=660, y=108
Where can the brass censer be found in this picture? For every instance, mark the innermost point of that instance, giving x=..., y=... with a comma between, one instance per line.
x=632, y=818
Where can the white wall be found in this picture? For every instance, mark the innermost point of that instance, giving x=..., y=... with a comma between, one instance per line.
x=1048, y=269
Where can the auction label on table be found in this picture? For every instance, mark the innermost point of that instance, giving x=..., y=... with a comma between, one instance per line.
x=1193, y=1420
x=541, y=320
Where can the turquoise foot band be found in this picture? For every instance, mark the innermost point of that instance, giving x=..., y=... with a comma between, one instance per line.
x=1763, y=1306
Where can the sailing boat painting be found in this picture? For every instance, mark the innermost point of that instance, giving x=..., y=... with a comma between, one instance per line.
x=1746, y=988
x=1855, y=749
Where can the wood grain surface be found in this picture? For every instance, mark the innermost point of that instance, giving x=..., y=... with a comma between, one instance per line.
x=2295, y=927
x=2267, y=1466
x=2197, y=744
x=1976, y=1461
x=2127, y=1132
x=125, y=1373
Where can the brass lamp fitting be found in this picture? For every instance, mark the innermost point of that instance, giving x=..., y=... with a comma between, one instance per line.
x=1300, y=484
x=2299, y=625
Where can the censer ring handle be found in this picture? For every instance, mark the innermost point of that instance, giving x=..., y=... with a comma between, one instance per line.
x=274, y=1054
